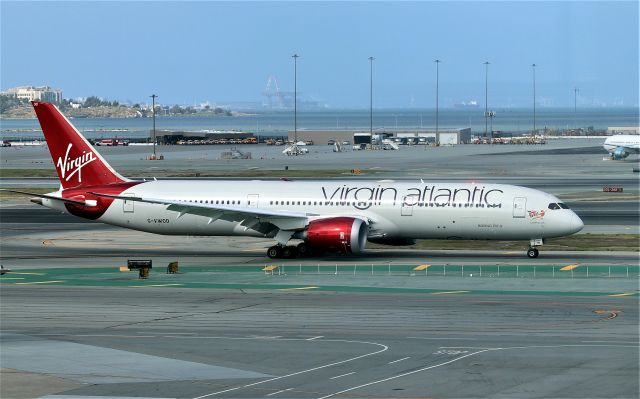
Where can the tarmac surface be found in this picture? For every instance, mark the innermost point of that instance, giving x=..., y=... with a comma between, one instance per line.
x=147, y=341
x=386, y=324
x=471, y=324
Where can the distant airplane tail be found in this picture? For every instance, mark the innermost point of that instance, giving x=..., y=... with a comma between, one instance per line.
x=77, y=163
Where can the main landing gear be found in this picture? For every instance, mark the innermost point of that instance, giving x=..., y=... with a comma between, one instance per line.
x=532, y=253
x=288, y=252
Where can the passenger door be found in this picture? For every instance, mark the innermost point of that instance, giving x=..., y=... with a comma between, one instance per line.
x=519, y=207
x=407, y=205
x=127, y=206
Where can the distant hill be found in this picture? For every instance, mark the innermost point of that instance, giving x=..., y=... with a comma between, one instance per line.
x=26, y=112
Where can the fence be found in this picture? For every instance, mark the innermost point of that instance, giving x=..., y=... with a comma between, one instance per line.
x=487, y=271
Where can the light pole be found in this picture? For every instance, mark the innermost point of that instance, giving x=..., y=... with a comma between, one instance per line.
x=437, y=103
x=371, y=96
x=295, y=97
x=575, y=105
x=486, y=95
x=533, y=67
x=153, y=113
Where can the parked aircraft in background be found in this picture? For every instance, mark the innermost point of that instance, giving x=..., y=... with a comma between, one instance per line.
x=621, y=145
x=302, y=217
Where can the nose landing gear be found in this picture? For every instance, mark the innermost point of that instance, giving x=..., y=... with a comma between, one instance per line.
x=533, y=251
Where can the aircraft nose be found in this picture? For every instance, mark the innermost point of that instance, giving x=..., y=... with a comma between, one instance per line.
x=576, y=223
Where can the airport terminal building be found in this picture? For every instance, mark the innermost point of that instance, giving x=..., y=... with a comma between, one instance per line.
x=447, y=136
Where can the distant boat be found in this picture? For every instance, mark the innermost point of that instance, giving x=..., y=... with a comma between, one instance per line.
x=467, y=104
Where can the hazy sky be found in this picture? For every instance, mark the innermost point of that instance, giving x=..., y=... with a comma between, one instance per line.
x=190, y=52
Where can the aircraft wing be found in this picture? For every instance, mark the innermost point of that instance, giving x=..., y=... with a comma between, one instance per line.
x=247, y=216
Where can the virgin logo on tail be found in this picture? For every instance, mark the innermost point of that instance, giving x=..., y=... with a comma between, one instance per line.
x=75, y=165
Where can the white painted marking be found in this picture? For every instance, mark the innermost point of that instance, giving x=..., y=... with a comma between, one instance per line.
x=275, y=393
x=342, y=375
x=384, y=348
x=450, y=352
x=462, y=357
x=314, y=338
x=399, y=360
x=402, y=375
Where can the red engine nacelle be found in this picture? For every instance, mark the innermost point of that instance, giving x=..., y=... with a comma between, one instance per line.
x=342, y=234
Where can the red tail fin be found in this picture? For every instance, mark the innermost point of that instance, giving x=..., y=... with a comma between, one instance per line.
x=77, y=163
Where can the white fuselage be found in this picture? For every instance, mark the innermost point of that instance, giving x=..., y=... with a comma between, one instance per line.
x=630, y=143
x=392, y=209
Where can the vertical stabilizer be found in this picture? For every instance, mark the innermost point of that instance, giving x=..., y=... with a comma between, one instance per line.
x=78, y=164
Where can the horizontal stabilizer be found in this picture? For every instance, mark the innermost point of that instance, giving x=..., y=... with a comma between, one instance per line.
x=51, y=197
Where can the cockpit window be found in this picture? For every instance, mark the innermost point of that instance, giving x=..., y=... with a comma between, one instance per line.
x=558, y=205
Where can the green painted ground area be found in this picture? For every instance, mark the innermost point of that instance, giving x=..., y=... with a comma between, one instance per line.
x=345, y=278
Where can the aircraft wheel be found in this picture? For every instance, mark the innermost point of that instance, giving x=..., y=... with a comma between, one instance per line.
x=274, y=252
x=289, y=252
x=303, y=250
x=532, y=253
